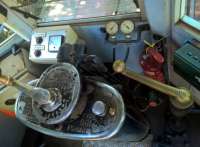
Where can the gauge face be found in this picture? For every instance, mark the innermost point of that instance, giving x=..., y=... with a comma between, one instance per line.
x=54, y=43
x=127, y=27
x=112, y=28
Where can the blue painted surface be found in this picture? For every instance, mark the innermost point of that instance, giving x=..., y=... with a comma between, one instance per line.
x=97, y=45
x=158, y=15
x=180, y=36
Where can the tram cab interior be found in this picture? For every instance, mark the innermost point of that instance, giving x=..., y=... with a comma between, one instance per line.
x=99, y=73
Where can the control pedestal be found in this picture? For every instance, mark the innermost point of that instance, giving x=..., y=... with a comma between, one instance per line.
x=96, y=112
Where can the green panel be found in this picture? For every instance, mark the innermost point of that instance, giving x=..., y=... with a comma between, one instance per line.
x=187, y=63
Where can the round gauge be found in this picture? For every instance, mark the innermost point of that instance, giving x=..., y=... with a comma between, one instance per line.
x=112, y=28
x=127, y=27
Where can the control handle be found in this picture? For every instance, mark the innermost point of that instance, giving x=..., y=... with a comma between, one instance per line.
x=181, y=98
x=42, y=96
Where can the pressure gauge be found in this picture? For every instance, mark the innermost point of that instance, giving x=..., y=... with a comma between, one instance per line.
x=112, y=28
x=127, y=27
x=55, y=43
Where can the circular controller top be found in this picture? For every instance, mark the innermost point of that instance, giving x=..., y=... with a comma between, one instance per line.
x=63, y=83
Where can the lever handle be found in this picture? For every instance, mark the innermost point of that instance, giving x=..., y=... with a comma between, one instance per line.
x=5, y=80
x=42, y=96
x=181, y=97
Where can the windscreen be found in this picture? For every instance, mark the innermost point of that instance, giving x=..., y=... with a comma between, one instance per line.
x=65, y=10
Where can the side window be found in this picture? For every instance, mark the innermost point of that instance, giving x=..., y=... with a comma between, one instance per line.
x=193, y=9
x=13, y=64
x=5, y=33
x=187, y=18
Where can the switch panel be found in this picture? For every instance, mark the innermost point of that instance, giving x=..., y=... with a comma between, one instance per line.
x=187, y=63
x=46, y=41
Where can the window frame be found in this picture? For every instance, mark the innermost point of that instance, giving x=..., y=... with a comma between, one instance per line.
x=184, y=21
x=8, y=38
x=16, y=23
x=7, y=44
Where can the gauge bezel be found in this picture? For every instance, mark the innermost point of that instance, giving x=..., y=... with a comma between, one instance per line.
x=122, y=27
x=108, y=29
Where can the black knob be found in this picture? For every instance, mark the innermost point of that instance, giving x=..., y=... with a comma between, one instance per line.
x=39, y=40
x=37, y=53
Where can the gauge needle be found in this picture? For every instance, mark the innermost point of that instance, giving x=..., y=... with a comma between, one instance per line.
x=127, y=27
x=112, y=28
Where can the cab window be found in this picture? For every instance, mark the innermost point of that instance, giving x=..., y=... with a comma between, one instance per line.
x=5, y=33
x=193, y=9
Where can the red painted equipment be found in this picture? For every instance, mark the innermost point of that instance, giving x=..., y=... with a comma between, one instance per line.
x=152, y=62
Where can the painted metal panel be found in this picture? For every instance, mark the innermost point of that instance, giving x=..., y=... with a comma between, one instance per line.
x=98, y=45
x=158, y=15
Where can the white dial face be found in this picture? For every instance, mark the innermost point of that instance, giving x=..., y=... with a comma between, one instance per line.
x=55, y=43
x=112, y=28
x=127, y=27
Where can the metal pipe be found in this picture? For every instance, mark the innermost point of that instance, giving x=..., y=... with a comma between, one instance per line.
x=42, y=96
x=181, y=97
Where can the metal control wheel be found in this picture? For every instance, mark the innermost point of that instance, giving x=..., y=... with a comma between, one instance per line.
x=92, y=123
x=63, y=83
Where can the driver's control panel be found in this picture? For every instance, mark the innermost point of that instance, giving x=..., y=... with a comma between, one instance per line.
x=46, y=41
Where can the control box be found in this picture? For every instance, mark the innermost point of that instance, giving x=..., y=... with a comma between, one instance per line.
x=46, y=41
x=187, y=63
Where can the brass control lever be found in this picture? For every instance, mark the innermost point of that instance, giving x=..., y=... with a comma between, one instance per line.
x=40, y=95
x=181, y=97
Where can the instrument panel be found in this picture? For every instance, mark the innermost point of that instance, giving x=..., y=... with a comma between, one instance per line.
x=126, y=27
x=46, y=41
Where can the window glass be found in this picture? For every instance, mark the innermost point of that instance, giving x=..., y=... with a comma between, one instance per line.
x=193, y=9
x=65, y=10
x=4, y=33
